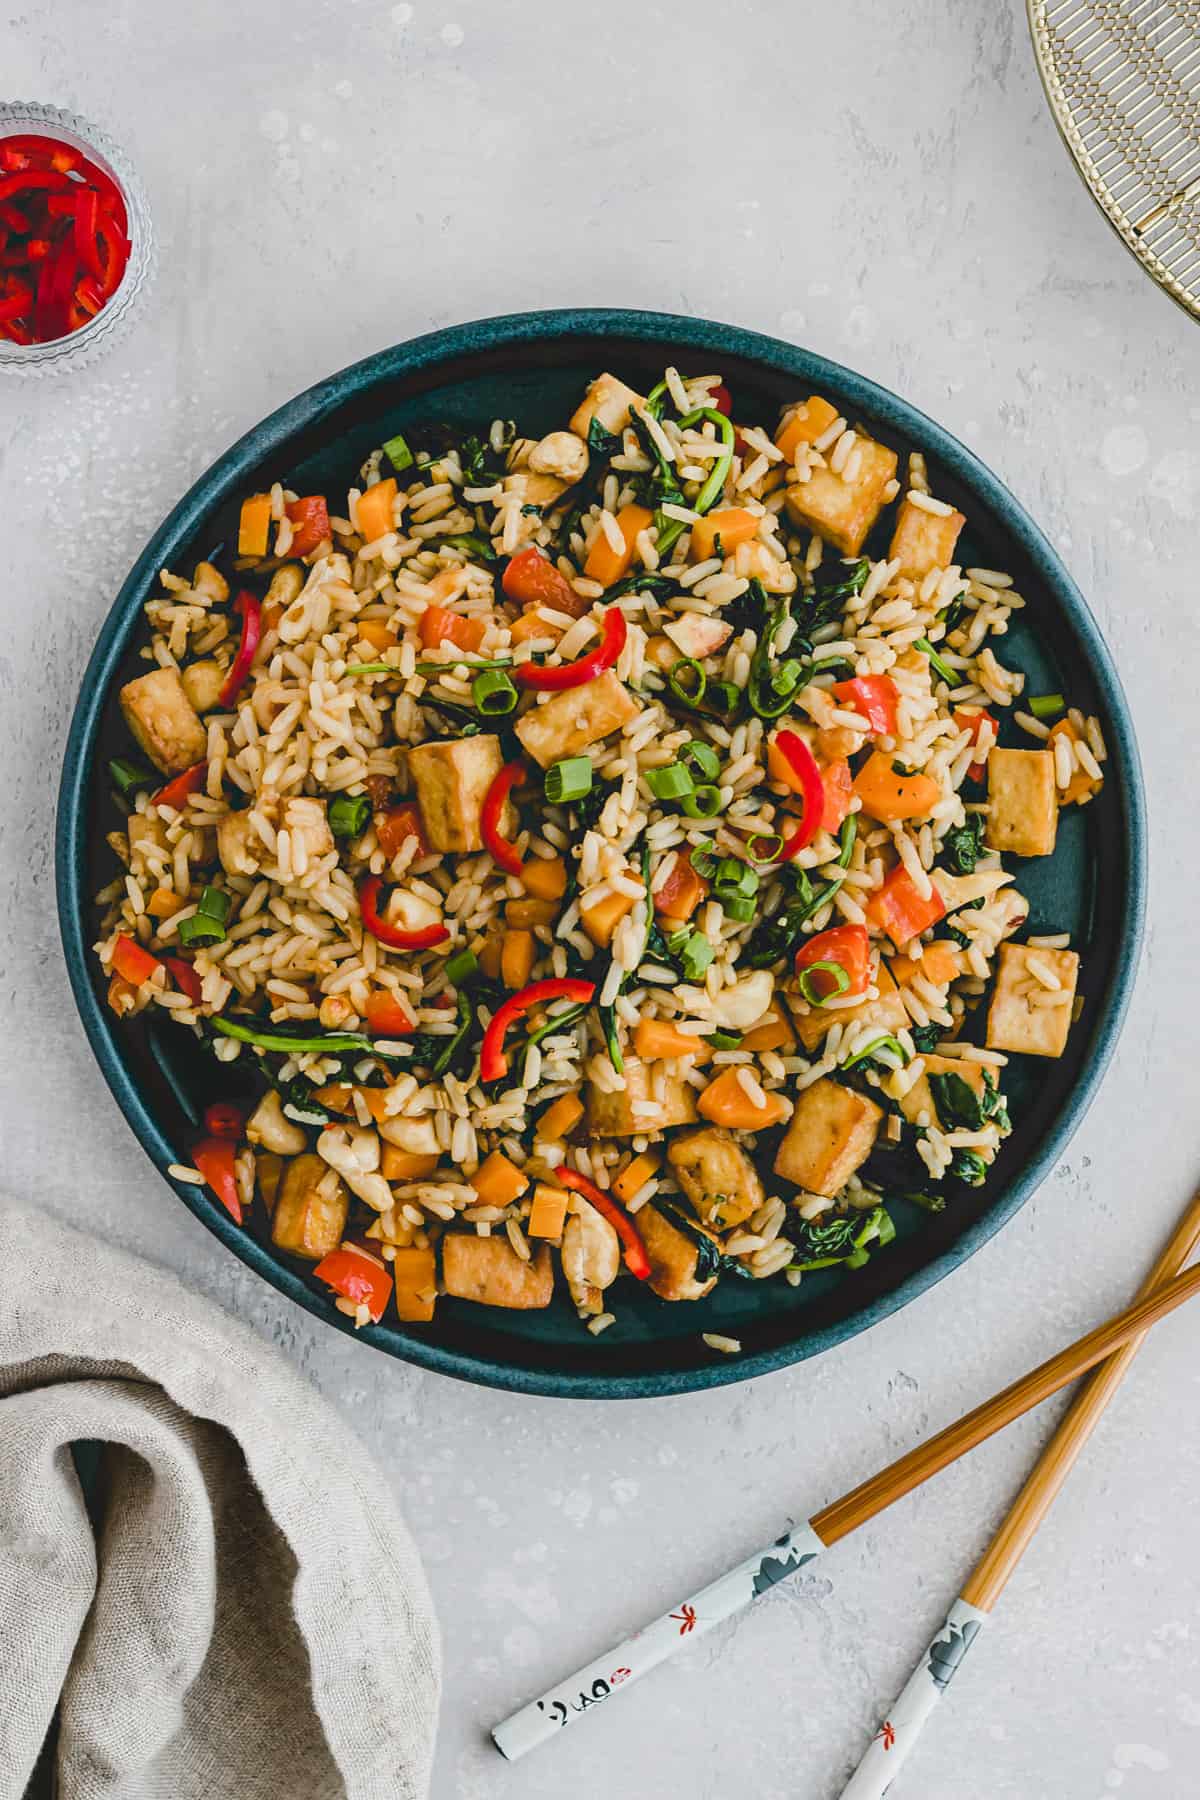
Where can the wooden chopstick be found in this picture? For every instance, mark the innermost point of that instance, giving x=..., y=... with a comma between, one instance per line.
x=893, y=1742
x=756, y=1574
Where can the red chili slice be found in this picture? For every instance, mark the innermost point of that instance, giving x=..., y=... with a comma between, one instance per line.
x=250, y=610
x=493, y=1063
x=634, y=1249
x=395, y=936
x=555, y=677
x=503, y=852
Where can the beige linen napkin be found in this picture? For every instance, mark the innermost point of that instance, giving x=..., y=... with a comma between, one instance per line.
x=247, y=1618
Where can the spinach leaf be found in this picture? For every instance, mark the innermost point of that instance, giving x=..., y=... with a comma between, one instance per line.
x=600, y=441
x=453, y=1053
x=831, y=588
x=780, y=935
x=968, y=1166
x=925, y=1037
x=958, y=1105
x=964, y=844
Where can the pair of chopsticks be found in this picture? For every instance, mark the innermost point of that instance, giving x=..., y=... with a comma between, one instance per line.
x=1113, y=1345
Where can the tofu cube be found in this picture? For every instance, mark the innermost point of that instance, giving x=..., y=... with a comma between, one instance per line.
x=919, y=1099
x=634, y=1108
x=1022, y=814
x=843, y=512
x=1027, y=1013
x=607, y=400
x=311, y=1208
x=673, y=1255
x=568, y=722
x=164, y=721
x=716, y=1175
x=923, y=540
x=490, y=1271
x=888, y=1013
x=239, y=846
x=830, y=1136
x=452, y=779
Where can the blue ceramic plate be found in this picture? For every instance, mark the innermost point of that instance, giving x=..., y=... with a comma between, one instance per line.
x=532, y=367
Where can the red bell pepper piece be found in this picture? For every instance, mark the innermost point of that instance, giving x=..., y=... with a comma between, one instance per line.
x=387, y=1016
x=721, y=400
x=839, y=791
x=358, y=1276
x=25, y=181
x=132, y=963
x=849, y=946
x=115, y=253
x=14, y=218
x=16, y=302
x=804, y=764
x=310, y=519
x=900, y=910
x=531, y=579
x=214, y=1157
x=185, y=978
x=505, y=854
x=394, y=827
x=20, y=334
x=555, y=678
x=493, y=1063
x=251, y=614
x=874, y=697
x=224, y=1120
x=393, y=935
x=634, y=1249
x=974, y=723
x=180, y=789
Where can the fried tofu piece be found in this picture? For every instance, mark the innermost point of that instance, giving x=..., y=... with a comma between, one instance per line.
x=674, y=1256
x=239, y=846
x=843, y=512
x=490, y=1271
x=830, y=1136
x=1022, y=816
x=923, y=540
x=1027, y=1014
x=716, y=1175
x=620, y=1115
x=568, y=722
x=311, y=1207
x=164, y=721
x=607, y=400
x=452, y=779
x=919, y=1098
x=888, y=1012
x=145, y=831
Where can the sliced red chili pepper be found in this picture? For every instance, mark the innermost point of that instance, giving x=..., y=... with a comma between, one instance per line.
x=310, y=520
x=115, y=253
x=87, y=299
x=721, y=398
x=633, y=1247
x=185, y=978
x=357, y=1276
x=20, y=334
x=24, y=181
x=133, y=963
x=16, y=301
x=505, y=854
x=801, y=759
x=14, y=218
x=214, y=1157
x=493, y=1063
x=224, y=1120
x=250, y=610
x=86, y=206
x=395, y=936
x=553, y=679
x=180, y=789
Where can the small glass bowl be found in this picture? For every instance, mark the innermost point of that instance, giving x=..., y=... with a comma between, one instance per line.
x=79, y=347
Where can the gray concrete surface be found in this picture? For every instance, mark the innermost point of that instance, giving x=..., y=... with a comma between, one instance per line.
x=883, y=184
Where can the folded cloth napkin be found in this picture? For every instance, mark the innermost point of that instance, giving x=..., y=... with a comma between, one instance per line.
x=235, y=1611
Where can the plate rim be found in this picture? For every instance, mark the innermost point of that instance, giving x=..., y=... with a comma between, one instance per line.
x=514, y=330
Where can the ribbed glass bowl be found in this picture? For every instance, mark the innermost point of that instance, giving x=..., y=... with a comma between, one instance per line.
x=79, y=347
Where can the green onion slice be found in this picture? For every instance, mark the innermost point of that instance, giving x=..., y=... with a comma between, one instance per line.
x=741, y=907
x=809, y=989
x=567, y=780
x=207, y=923
x=461, y=968
x=847, y=836
x=398, y=453
x=687, y=680
x=764, y=846
x=494, y=693
x=704, y=862
x=884, y=1042
x=1044, y=706
x=375, y=668
x=701, y=759
x=348, y=815
x=703, y=803
x=735, y=877
x=723, y=697
x=129, y=777
x=670, y=783
x=948, y=675
x=695, y=955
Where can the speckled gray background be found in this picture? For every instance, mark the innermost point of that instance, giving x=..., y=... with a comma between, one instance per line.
x=884, y=184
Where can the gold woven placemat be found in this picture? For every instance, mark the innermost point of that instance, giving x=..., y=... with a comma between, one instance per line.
x=1123, y=81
